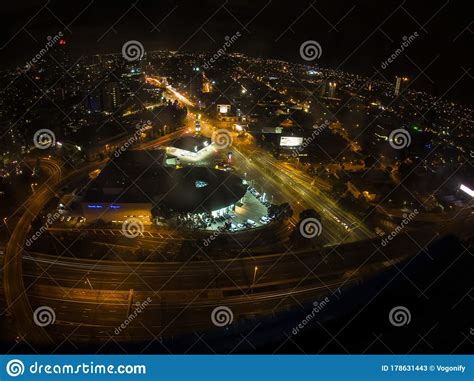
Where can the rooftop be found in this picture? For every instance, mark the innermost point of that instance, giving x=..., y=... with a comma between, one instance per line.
x=141, y=177
x=191, y=143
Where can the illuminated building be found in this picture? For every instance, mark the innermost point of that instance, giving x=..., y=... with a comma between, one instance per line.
x=189, y=150
x=138, y=184
x=111, y=96
x=332, y=90
x=398, y=81
x=328, y=90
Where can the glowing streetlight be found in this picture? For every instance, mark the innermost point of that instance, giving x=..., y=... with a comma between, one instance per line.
x=89, y=283
x=5, y=222
x=254, y=275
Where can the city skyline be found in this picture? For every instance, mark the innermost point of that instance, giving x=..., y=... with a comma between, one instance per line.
x=357, y=37
x=229, y=183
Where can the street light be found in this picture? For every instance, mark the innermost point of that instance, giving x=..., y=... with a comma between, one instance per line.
x=89, y=282
x=254, y=275
x=5, y=222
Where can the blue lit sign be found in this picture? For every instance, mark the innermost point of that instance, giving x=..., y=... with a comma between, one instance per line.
x=115, y=206
x=94, y=206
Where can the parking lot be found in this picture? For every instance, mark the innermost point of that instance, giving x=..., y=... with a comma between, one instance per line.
x=252, y=213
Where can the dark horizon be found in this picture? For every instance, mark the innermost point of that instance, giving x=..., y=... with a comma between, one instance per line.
x=355, y=37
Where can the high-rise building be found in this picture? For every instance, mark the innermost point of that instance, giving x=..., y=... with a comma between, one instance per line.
x=323, y=88
x=332, y=90
x=328, y=89
x=111, y=96
x=60, y=54
x=206, y=84
x=92, y=100
x=398, y=81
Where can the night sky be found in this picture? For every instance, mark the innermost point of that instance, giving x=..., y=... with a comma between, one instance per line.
x=355, y=36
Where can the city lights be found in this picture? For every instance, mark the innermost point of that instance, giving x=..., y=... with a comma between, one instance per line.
x=236, y=178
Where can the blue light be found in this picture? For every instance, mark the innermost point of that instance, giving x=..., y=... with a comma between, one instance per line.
x=115, y=206
x=94, y=206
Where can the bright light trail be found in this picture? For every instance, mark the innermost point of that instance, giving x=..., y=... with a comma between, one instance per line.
x=467, y=190
x=180, y=97
x=156, y=82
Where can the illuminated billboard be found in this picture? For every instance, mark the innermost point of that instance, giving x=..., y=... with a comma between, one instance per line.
x=291, y=141
x=223, y=109
x=467, y=190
